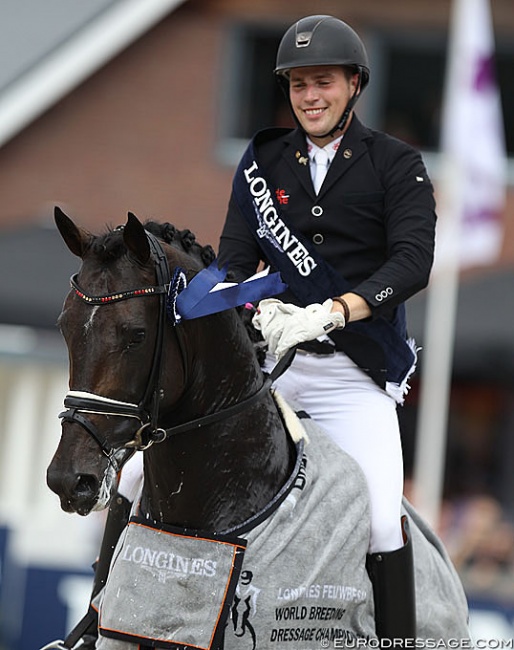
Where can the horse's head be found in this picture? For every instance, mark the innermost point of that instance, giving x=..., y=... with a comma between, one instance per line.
x=113, y=322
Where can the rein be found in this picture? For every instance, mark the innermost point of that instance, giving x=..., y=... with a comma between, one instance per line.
x=146, y=411
x=229, y=411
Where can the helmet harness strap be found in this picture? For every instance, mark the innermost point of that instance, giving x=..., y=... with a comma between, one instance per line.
x=346, y=113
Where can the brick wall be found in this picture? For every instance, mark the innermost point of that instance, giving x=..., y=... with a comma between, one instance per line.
x=140, y=134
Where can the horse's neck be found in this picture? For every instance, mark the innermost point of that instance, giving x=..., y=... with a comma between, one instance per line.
x=218, y=476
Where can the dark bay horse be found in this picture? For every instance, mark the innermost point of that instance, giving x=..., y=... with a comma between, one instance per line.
x=251, y=529
x=112, y=348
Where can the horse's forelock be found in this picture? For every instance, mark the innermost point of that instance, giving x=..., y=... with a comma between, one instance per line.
x=108, y=247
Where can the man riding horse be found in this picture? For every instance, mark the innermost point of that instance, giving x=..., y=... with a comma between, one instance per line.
x=366, y=235
x=353, y=241
x=232, y=469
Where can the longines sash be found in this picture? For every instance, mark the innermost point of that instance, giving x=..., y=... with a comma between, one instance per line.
x=308, y=275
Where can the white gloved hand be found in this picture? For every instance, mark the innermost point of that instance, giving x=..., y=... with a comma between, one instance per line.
x=271, y=318
x=284, y=325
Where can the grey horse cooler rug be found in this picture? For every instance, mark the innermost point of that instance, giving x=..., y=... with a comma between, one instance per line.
x=291, y=578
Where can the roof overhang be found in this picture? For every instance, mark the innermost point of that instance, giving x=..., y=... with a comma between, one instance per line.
x=75, y=59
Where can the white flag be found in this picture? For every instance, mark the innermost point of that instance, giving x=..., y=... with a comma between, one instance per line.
x=472, y=185
x=470, y=202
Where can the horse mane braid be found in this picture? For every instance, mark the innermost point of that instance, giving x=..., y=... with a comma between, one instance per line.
x=110, y=246
x=183, y=239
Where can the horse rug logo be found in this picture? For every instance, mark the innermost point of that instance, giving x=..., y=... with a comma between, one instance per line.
x=175, y=588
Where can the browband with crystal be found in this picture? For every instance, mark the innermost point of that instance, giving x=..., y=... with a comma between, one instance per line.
x=114, y=297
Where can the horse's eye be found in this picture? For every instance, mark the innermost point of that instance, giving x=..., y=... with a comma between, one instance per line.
x=136, y=338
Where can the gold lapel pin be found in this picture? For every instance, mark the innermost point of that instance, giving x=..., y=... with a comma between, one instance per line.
x=301, y=159
x=347, y=153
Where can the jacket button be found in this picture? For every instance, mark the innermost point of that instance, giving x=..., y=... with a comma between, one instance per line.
x=318, y=238
x=316, y=211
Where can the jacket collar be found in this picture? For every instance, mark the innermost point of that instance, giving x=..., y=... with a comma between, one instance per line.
x=352, y=147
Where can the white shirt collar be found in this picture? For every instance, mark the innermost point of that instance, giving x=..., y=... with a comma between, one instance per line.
x=331, y=148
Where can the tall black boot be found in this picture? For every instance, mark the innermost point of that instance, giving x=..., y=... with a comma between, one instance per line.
x=117, y=518
x=392, y=577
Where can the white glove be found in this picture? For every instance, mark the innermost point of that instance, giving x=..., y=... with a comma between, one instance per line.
x=284, y=325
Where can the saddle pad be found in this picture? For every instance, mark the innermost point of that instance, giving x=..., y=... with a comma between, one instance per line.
x=176, y=588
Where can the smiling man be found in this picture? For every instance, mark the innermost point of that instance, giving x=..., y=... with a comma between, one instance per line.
x=347, y=215
x=319, y=96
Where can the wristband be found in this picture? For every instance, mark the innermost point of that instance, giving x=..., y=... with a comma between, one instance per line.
x=345, y=307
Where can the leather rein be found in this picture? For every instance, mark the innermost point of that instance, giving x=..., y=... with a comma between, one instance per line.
x=79, y=404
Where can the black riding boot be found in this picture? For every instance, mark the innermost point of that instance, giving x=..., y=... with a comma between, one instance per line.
x=392, y=577
x=117, y=519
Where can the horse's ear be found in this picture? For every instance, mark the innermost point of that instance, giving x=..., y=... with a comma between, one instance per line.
x=135, y=239
x=75, y=238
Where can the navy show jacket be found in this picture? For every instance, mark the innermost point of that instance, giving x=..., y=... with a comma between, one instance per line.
x=373, y=219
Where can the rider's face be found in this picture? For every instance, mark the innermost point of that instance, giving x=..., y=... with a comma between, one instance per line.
x=319, y=95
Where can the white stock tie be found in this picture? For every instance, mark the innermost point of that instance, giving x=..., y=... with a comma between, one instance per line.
x=321, y=160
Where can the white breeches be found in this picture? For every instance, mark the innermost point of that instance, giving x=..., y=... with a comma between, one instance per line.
x=362, y=419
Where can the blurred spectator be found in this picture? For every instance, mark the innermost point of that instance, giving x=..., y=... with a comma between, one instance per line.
x=480, y=541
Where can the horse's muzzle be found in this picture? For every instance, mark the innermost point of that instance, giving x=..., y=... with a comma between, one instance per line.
x=78, y=493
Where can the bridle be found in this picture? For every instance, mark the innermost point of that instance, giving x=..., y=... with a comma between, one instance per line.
x=146, y=411
x=79, y=404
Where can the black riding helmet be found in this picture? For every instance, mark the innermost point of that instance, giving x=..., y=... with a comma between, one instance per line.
x=322, y=40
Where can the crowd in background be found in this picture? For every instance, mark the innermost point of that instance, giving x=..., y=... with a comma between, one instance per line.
x=479, y=537
x=480, y=540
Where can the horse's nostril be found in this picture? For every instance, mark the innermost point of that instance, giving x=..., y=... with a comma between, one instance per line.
x=86, y=486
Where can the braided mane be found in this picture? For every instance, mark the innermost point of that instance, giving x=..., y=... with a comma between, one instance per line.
x=109, y=247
